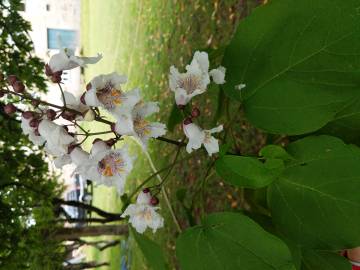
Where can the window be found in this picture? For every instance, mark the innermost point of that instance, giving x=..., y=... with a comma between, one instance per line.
x=59, y=38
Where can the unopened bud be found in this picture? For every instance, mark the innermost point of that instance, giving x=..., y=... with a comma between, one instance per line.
x=34, y=123
x=154, y=201
x=55, y=78
x=68, y=115
x=51, y=114
x=82, y=99
x=28, y=114
x=48, y=70
x=187, y=121
x=110, y=142
x=35, y=102
x=146, y=190
x=195, y=112
x=9, y=109
x=11, y=79
x=18, y=87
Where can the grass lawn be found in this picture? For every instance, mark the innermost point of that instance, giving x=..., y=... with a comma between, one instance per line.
x=143, y=38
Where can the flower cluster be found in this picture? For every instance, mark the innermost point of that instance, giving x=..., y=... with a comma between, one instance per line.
x=192, y=83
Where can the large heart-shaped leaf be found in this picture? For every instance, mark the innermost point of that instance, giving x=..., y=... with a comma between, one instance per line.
x=300, y=62
x=247, y=171
x=315, y=202
x=231, y=241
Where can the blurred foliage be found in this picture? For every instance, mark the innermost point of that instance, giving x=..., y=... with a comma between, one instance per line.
x=26, y=187
x=16, y=47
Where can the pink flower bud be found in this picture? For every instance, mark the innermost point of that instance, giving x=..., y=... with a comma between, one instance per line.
x=146, y=190
x=51, y=114
x=9, y=109
x=11, y=79
x=35, y=102
x=34, y=123
x=154, y=201
x=18, y=87
x=195, y=112
x=28, y=114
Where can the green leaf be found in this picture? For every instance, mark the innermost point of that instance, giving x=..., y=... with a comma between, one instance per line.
x=315, y=201
x=231, y=241
x=322, y=260
x=246, y=171
x=175, y=118
x=274, y=151
x=151, y=250
x=300, y=62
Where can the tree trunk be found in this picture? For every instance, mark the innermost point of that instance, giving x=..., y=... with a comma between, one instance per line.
x=73, y=233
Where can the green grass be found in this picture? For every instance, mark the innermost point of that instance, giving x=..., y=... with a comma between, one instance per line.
x=143, y=39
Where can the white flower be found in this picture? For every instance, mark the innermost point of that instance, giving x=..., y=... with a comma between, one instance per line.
x=73, y=102
x=81, y=159
x=25, y=126
x=218, y=75
x=142, y=214
x=65, y=60
x=109, y=167
x=57, y=141
x=135, y=124
x=105, y=91
x=195, y=80
x=198, y=136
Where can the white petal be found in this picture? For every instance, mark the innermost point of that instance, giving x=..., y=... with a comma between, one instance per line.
x=99, y=147
x=117, y=79
x=218, y=75
x=174, y=77
x=143, y=198
x=146, y=109
x=216, y=129
x=211, y=145
x=79, y=156
x=46, y=127
x=91, y=98
x=240, y=86
x=203, y=59
x=124, y=125
x=61, y=161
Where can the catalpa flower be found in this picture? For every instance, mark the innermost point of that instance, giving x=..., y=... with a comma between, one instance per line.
x=65, y=60
x=105, y=91
x=30, y=131
x=57, y=141
x=74, y=102
x=195, y=80
x=135, y=124
x=143, y=214
x=198, y=137
x=109, y=167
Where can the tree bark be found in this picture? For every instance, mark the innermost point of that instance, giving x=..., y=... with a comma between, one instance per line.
x=74, y=233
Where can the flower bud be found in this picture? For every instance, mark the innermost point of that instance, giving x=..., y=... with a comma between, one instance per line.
x=110, y=142
x=9, y=109
x=146, y=190
x=28, y=114
x=11, y=79
x=35, y=102
x=51, y=114
x=34, y=123
x=68, y=115
x=82, y=99
x=88, y=86
x=195, y=112
x=187, y=121
x=154, y=201
x=18, y=87
x=56, y=77
x=48, y=70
